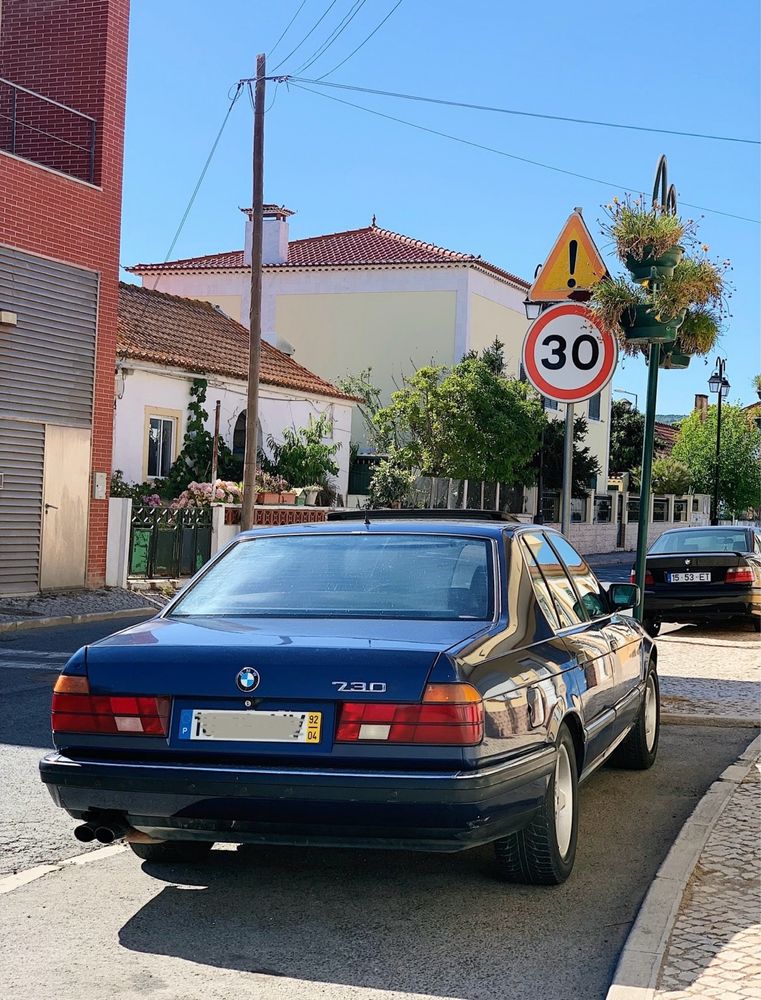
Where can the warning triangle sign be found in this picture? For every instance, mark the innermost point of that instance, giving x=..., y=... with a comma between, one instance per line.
x=574, y=264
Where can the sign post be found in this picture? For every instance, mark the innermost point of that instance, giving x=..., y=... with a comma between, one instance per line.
x=568, y=356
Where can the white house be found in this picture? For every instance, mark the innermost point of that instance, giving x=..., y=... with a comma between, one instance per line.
x=370, y=298
x=164, y=342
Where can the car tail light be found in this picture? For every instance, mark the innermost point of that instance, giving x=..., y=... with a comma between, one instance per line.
x=450, y=714
x=648, y=577
x=739, y=574
x=76, y=710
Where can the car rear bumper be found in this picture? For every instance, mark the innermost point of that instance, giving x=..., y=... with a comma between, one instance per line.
x=701, y=604
x=444, y=811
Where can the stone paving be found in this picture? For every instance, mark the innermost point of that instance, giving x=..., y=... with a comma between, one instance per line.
x=715, y=945
x=710, y=671
x=75, y=602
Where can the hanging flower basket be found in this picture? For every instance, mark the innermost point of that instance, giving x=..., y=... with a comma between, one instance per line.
x=663, y=265
x=675, y=359
x=638, y=323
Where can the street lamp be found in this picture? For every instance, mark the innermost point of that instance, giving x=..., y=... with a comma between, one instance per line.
x=719, y=384
x=532, y=308
x=626, y=392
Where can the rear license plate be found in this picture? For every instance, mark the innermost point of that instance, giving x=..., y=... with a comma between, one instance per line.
x=689, y=577
x=250, y=727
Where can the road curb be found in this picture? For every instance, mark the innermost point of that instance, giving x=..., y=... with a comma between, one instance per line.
x=639, y=964
x=22, y=625
x=729, y=721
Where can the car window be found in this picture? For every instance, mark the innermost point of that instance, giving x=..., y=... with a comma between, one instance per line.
x=564, y=596
x=368, y=575
x=590, y=591
x=701, y=540
x=541, y=590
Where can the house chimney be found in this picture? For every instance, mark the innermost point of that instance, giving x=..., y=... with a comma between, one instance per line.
x=701, y=405
x=274, y=237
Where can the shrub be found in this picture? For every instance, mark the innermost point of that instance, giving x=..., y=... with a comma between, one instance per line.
x=137, y=492
x=303, y=456
x=670, y=476
x=204, y=495
x=391, y=483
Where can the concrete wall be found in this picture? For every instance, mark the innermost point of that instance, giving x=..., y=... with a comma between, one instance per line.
x=167, y=391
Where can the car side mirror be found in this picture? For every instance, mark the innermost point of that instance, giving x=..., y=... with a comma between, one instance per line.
x=623, y=596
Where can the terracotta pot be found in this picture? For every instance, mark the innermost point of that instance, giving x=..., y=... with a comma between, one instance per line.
x=287, y=498
x=267, y=497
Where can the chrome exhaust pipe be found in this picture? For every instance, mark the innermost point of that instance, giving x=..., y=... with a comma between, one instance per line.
x=108, y=834
x=84, y=833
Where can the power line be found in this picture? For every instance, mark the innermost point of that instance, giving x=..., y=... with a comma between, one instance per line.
x=335, y=35
x=196, y=189
x=522, y=114
x=316, y=25
x=362, y=43
x=511, y=156
x=285, y=29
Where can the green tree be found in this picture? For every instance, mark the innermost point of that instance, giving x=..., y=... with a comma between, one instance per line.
x=585, y=465
x=627, y=434
x=467, y=422
x=303, y=457
x=740, y=476
x=369, y=396
x=670, y=476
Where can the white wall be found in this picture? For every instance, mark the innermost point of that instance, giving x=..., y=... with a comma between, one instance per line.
x=169, y=389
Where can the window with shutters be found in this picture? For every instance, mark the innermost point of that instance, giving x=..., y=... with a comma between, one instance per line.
x=594, y=407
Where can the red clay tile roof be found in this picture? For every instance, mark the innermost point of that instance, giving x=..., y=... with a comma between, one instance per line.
x=370, y=246
x=195, y=336
x=667, y=434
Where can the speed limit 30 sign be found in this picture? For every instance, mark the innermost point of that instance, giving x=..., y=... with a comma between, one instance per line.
x=568, y=355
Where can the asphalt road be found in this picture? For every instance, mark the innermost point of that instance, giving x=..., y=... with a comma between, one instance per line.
x=291, y=923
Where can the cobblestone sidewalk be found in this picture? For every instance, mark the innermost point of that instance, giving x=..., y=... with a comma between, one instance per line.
x=76, y=602
x=710, y=672
x=715, y=945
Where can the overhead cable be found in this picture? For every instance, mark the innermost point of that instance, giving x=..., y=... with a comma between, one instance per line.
x=314, y=27
x=502, y=152
x=285, y=29
x=362, y=43
x=320, y=81
x=334, y=36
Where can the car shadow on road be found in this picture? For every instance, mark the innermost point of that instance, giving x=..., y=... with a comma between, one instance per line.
x=383, y=920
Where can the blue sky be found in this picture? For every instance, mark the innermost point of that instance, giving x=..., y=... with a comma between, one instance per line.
x=690, y=65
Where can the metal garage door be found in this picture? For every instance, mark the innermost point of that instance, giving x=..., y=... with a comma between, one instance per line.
x=47, y=360
x=22, y=447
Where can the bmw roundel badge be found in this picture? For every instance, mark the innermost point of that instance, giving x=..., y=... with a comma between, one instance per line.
x=248, y=679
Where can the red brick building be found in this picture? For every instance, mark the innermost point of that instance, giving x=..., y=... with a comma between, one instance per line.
x=63, y=67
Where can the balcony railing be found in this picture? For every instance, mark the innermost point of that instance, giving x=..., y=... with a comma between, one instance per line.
x=46, y=132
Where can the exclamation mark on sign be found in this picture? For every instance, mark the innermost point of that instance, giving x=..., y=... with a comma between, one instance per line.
x=572, y=248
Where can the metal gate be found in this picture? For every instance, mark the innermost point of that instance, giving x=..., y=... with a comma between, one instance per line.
x=166, y=543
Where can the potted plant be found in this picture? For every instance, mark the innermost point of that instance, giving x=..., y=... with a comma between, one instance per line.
x=645, y=238
x=626, y=310
x=270, y=488
x=310, y=494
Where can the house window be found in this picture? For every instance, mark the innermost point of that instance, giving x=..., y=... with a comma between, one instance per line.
x=161, y=432
x=549, y=404
x=594, y=407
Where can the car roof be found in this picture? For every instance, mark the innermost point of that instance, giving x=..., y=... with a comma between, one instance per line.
x=463, y=525
x=707, y=527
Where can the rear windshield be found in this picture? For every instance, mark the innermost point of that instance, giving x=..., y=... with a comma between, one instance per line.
x=702, y=540
x=431, y=577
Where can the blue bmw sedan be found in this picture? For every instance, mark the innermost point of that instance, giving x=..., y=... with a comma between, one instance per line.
x=429, y=680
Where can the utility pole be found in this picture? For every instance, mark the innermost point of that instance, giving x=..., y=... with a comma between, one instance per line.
x=255, y=313
x=567, y=470
x=215, y=446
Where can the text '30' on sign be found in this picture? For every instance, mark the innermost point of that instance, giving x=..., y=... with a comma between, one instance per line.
x=568, y=355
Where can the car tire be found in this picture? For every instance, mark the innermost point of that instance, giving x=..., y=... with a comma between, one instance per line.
x=640, y=748
x=651, y=626
x=173, y=850
x=756, y=623
x=543, y=852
